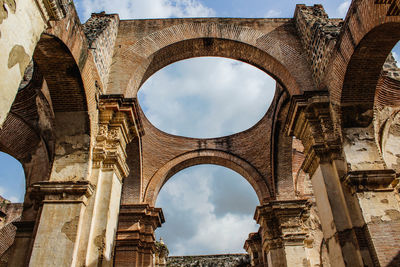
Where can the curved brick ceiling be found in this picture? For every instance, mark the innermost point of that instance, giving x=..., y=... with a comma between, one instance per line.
x=206, y=97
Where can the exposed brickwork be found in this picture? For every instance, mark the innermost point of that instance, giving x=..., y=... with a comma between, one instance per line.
x=12, y=212
x=318, y=34
x=145, y=46
x=101, y=31
x=224, y=260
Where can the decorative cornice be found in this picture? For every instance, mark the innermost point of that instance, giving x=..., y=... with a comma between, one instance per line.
x=66, y=192
x=118, y=125
x=56, y=9
x=309, y=119
x=371, y=180
x=282, y=222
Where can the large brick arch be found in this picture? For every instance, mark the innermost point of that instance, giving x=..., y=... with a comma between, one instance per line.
x=271, y=45
x=367, y=37
x=206, y=156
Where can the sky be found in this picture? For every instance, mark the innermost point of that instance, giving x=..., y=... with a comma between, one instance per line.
x=208, y=209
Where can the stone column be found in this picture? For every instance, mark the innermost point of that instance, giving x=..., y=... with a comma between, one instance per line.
x=283, y=232
x=135, y=245
x=59, y=228
x=253, y=247
x=117, y=127
x=309, y=119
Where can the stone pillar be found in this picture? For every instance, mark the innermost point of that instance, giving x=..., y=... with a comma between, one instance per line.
x=283, y=232
x=309, y=119
x=376, y=212
x=135, y=245
x=253, y=247
x=59, y=227
x=117, y=127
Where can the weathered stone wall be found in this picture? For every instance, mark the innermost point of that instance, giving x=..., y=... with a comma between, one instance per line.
x=17, y=49
x=223, y=260
x=318, y=34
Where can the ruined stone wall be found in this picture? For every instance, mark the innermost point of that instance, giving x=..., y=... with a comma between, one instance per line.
x=390, y=68
x=9, y=213
x=101, y=31
x=223, y=260
x=318, y=34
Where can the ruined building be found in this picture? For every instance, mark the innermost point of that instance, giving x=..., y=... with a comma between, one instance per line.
x=323, y=161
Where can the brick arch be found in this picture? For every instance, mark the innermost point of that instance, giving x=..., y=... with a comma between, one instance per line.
x=71, y=99
x=23, y=136
x=206, y=157
x=62, y=74
x=368, y=35
x=272, y=50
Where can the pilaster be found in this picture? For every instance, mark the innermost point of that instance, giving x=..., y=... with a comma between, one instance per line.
x=118, y=125
x=283, y=231
x=58, y=232
x=310, y=121
x=254, y=249
x=135, y=236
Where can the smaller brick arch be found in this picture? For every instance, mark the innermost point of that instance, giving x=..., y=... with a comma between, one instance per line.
x=367, y=37
x=207, y=156
x=62, y=74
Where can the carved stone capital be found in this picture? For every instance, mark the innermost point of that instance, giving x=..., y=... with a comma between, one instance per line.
x=283, y=221
x=137, y=223
x=119, y=123
x=309, y=119
x=371, y=180
x=65, y=192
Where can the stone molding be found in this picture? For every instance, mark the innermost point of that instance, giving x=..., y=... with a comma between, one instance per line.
x=53, y=10
x=118, y=125
x=282, y=222
x=65, y=192
x=309, y=119
x=56, y=9
x=371, y=180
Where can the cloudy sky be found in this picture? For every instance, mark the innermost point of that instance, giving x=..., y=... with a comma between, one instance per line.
x=208, y=209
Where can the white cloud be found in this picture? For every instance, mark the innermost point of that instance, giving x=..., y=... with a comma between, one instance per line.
x=206, y=97
x=192, y=224
x=272, y=13
x=135, y=9
x=2, y=191
x=343, y=7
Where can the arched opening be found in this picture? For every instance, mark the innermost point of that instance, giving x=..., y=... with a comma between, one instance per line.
x=12, y=179
x=206, y=97
x=208, y=210
x=364, y=73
